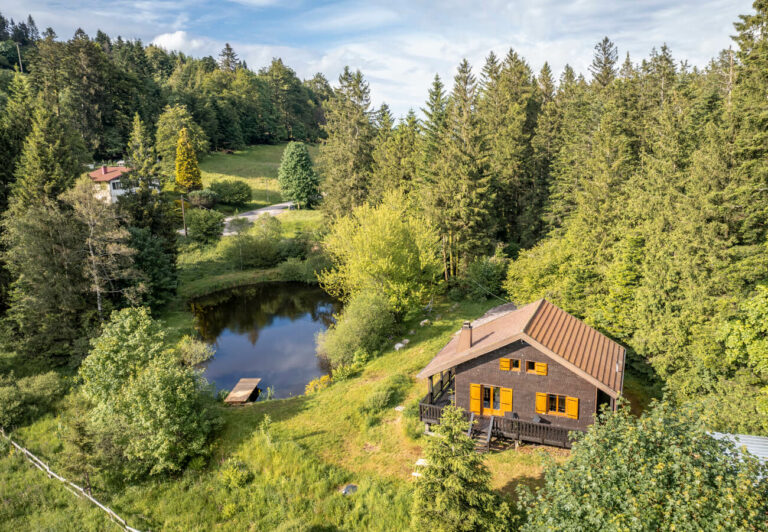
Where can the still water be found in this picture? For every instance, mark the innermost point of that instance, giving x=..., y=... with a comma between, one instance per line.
x=265, y=331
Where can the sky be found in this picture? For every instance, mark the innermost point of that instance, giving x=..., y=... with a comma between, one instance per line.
x=400, y=45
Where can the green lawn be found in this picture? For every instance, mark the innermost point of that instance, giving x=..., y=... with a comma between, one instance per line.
x=315, y=445
x=256, y=165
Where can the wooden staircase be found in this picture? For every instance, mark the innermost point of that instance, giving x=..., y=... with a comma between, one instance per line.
x=480, y=431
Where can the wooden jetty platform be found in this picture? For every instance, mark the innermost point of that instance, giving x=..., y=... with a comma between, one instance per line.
x=244, y=391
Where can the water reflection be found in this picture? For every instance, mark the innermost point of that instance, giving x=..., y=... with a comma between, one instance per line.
x=265, y=331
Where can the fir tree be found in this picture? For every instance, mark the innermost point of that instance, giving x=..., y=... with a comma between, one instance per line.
x=452, y=492
x=50, y=161
x=396, y=159
x=296, y=176
x=228, y=60
x=603, y=67
x=346, y=158
x=15, y=125
x=187, y=171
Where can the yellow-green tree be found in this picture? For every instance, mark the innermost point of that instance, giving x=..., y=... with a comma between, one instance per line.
x=187, y=171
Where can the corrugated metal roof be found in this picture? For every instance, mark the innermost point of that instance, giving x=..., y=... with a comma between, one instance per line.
x=549, y=328
x=755, y=445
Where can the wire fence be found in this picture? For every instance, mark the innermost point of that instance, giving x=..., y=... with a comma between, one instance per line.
x=71, y=486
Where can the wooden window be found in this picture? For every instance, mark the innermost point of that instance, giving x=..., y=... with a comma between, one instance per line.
x=557, y=405
x=514, y=364
x=475, y=391
x=541, y=368
x=504, y=364
x=530, y=366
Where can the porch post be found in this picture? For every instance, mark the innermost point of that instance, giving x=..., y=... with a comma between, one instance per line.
x=429, y=383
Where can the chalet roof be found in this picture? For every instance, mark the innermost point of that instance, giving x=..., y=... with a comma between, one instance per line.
x=570, y=341
x=108, y=173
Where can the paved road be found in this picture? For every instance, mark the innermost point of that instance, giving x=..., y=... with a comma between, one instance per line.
x=272, y=210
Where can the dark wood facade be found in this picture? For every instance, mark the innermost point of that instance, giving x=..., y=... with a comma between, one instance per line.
x=485, y=370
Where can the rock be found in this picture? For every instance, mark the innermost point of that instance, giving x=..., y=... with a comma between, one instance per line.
x=349, y=489
x=399, y=408
x=422, y=462
x=411, y=332
x=405, y=341
x=424, y=323
x=399, y=346
x=416, y=474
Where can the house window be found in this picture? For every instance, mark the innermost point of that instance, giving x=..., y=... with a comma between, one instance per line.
x=557, y=405
x=536, y=368
x=515, y=364
x=490, y=400
x=115, y=185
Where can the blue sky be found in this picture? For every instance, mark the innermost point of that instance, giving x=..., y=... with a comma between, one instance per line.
x=400, y=44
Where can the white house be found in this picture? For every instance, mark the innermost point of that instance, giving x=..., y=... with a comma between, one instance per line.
x=108, y=182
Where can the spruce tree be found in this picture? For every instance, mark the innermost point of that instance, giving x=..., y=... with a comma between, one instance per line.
x=452, y=492
x=603, y=67
x=296, y=176
x=50, y=161
x=15, y=125
x=187, y=171
x=228, y=60
x=396, y=159
x=346, y=157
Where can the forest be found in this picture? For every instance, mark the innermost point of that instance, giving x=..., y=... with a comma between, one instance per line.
x=634, y=196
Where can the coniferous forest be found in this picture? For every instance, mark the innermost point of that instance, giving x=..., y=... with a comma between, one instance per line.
x=633, y=195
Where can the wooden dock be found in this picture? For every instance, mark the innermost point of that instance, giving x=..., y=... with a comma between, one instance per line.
x=244, y=391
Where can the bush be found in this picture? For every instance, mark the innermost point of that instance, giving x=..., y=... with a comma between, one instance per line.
x=363, y=325
x=204, y=226
x=21, y=400
x=203, y=198
x=235, y=474
x=193, y=351
x=289, y=248
x=250, y=251
x=485, y=276
x=315, y=385
x=232, y=192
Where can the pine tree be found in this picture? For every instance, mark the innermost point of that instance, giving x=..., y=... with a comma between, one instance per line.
x=187, y=171
x=346, y=157
x=396, y=159
x=296, y=176
x=603, y=67
x=50, y=161
x=228, y=59
x=453, y=491
x=141, y=156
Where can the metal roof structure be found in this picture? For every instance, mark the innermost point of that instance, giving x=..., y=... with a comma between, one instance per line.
x=755, y=445
x=568, y=340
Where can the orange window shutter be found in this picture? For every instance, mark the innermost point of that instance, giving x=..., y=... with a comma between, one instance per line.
x=506, y=399
x=474, y=398
x=572, y=407
x=541, y=403
x=504, y=364
x=541, y=368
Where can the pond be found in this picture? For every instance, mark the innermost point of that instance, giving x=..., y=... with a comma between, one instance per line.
x=266, y=331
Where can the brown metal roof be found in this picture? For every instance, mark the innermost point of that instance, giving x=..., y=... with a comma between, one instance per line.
x=108, y=173
x=572, y=342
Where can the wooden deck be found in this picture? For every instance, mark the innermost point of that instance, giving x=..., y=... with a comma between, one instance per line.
x=485, y=429
x=245, y=390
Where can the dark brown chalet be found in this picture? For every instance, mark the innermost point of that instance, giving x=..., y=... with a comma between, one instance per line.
x=531, y=374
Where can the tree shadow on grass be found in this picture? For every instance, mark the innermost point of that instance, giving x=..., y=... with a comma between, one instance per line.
x=509, y=490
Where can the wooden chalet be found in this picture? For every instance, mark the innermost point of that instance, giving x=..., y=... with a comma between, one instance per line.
x=532, y=373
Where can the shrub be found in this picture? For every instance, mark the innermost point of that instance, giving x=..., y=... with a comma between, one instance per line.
x=250, y=251
x=204, y=226
x=235, y=474
x=315, y=385
x=203, y=198
x=378, y=401
x=193, y=351
x=364, y=324
x=485, y=276
x=293, y=269
x=292, y=248
x=232, y=192
x=21, y=400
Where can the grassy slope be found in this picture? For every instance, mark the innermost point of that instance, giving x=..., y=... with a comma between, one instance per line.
x=255, y=165
x=317, y=444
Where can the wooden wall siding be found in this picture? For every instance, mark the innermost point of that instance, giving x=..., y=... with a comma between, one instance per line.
x=559, y=380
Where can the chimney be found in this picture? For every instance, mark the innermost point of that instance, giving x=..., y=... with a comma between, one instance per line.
x=465, y=337
x=103, y=170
